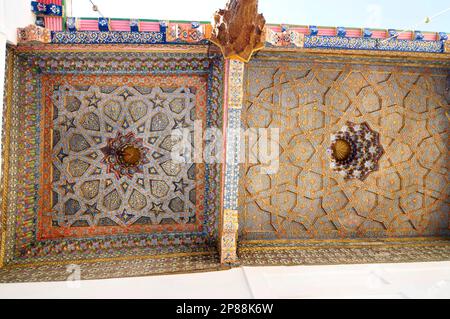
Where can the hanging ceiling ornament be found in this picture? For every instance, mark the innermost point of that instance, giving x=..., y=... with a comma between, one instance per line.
x=355, y=151
x=238, y=30
x=125, y=155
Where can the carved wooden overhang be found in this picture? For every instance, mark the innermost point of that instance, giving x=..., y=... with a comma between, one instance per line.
x=33, y=34
x=239, y=30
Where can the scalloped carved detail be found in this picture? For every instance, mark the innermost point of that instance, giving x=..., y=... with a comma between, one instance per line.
x=238, y=29
x=33, y=34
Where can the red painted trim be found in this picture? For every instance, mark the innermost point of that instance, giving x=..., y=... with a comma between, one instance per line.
x=148, y=26
x=377, y=34
x=327, y=31
x=88, y=25
x=120, y=25
x=354, y=33
x=406, y=35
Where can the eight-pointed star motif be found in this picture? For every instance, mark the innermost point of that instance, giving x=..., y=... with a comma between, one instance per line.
x=68, y=123
x=125, y=216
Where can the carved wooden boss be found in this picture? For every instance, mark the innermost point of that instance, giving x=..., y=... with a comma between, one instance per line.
x=239, y=30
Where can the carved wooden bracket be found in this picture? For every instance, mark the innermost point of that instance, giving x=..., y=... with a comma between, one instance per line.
x=239, y=30
x=33, y=33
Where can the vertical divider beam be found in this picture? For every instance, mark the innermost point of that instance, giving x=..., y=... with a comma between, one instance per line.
x=233, y=99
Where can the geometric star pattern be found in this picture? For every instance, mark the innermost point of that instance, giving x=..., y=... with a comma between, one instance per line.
x=407, y=196
x=57, y=118
x=85, y=192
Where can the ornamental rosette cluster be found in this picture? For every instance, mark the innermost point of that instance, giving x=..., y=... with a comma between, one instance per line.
x=125, y=155
x=355, y=151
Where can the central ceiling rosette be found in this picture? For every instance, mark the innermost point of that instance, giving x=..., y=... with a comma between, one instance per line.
x=355, y=151
x=125, y=155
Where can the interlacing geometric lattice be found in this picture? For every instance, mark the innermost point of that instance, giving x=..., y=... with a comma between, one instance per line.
x=68, y=101
x=409, y=195
x=309, y=102
x=86, y=191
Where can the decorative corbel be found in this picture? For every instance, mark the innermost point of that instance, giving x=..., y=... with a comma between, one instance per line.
x=238, y=30
x=33, y=34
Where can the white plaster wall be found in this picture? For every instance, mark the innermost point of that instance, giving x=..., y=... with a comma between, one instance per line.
x=2, y=68
x=14, y=14
x=391, y=281
x=399, y=281
x=2, y=16
x=3, y=39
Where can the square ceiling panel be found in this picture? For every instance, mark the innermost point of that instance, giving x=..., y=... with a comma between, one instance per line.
x=405, y=193
x=93, y=189
x=89, y=168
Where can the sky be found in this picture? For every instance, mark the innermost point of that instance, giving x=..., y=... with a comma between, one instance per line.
x=384, y=14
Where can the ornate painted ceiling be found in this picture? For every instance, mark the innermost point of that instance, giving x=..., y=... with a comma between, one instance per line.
x=158, y=193
x=92, y=176
x=405, y=192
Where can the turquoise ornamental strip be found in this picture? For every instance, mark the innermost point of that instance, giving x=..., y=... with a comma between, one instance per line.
x=108, y=37
x=327, y=42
